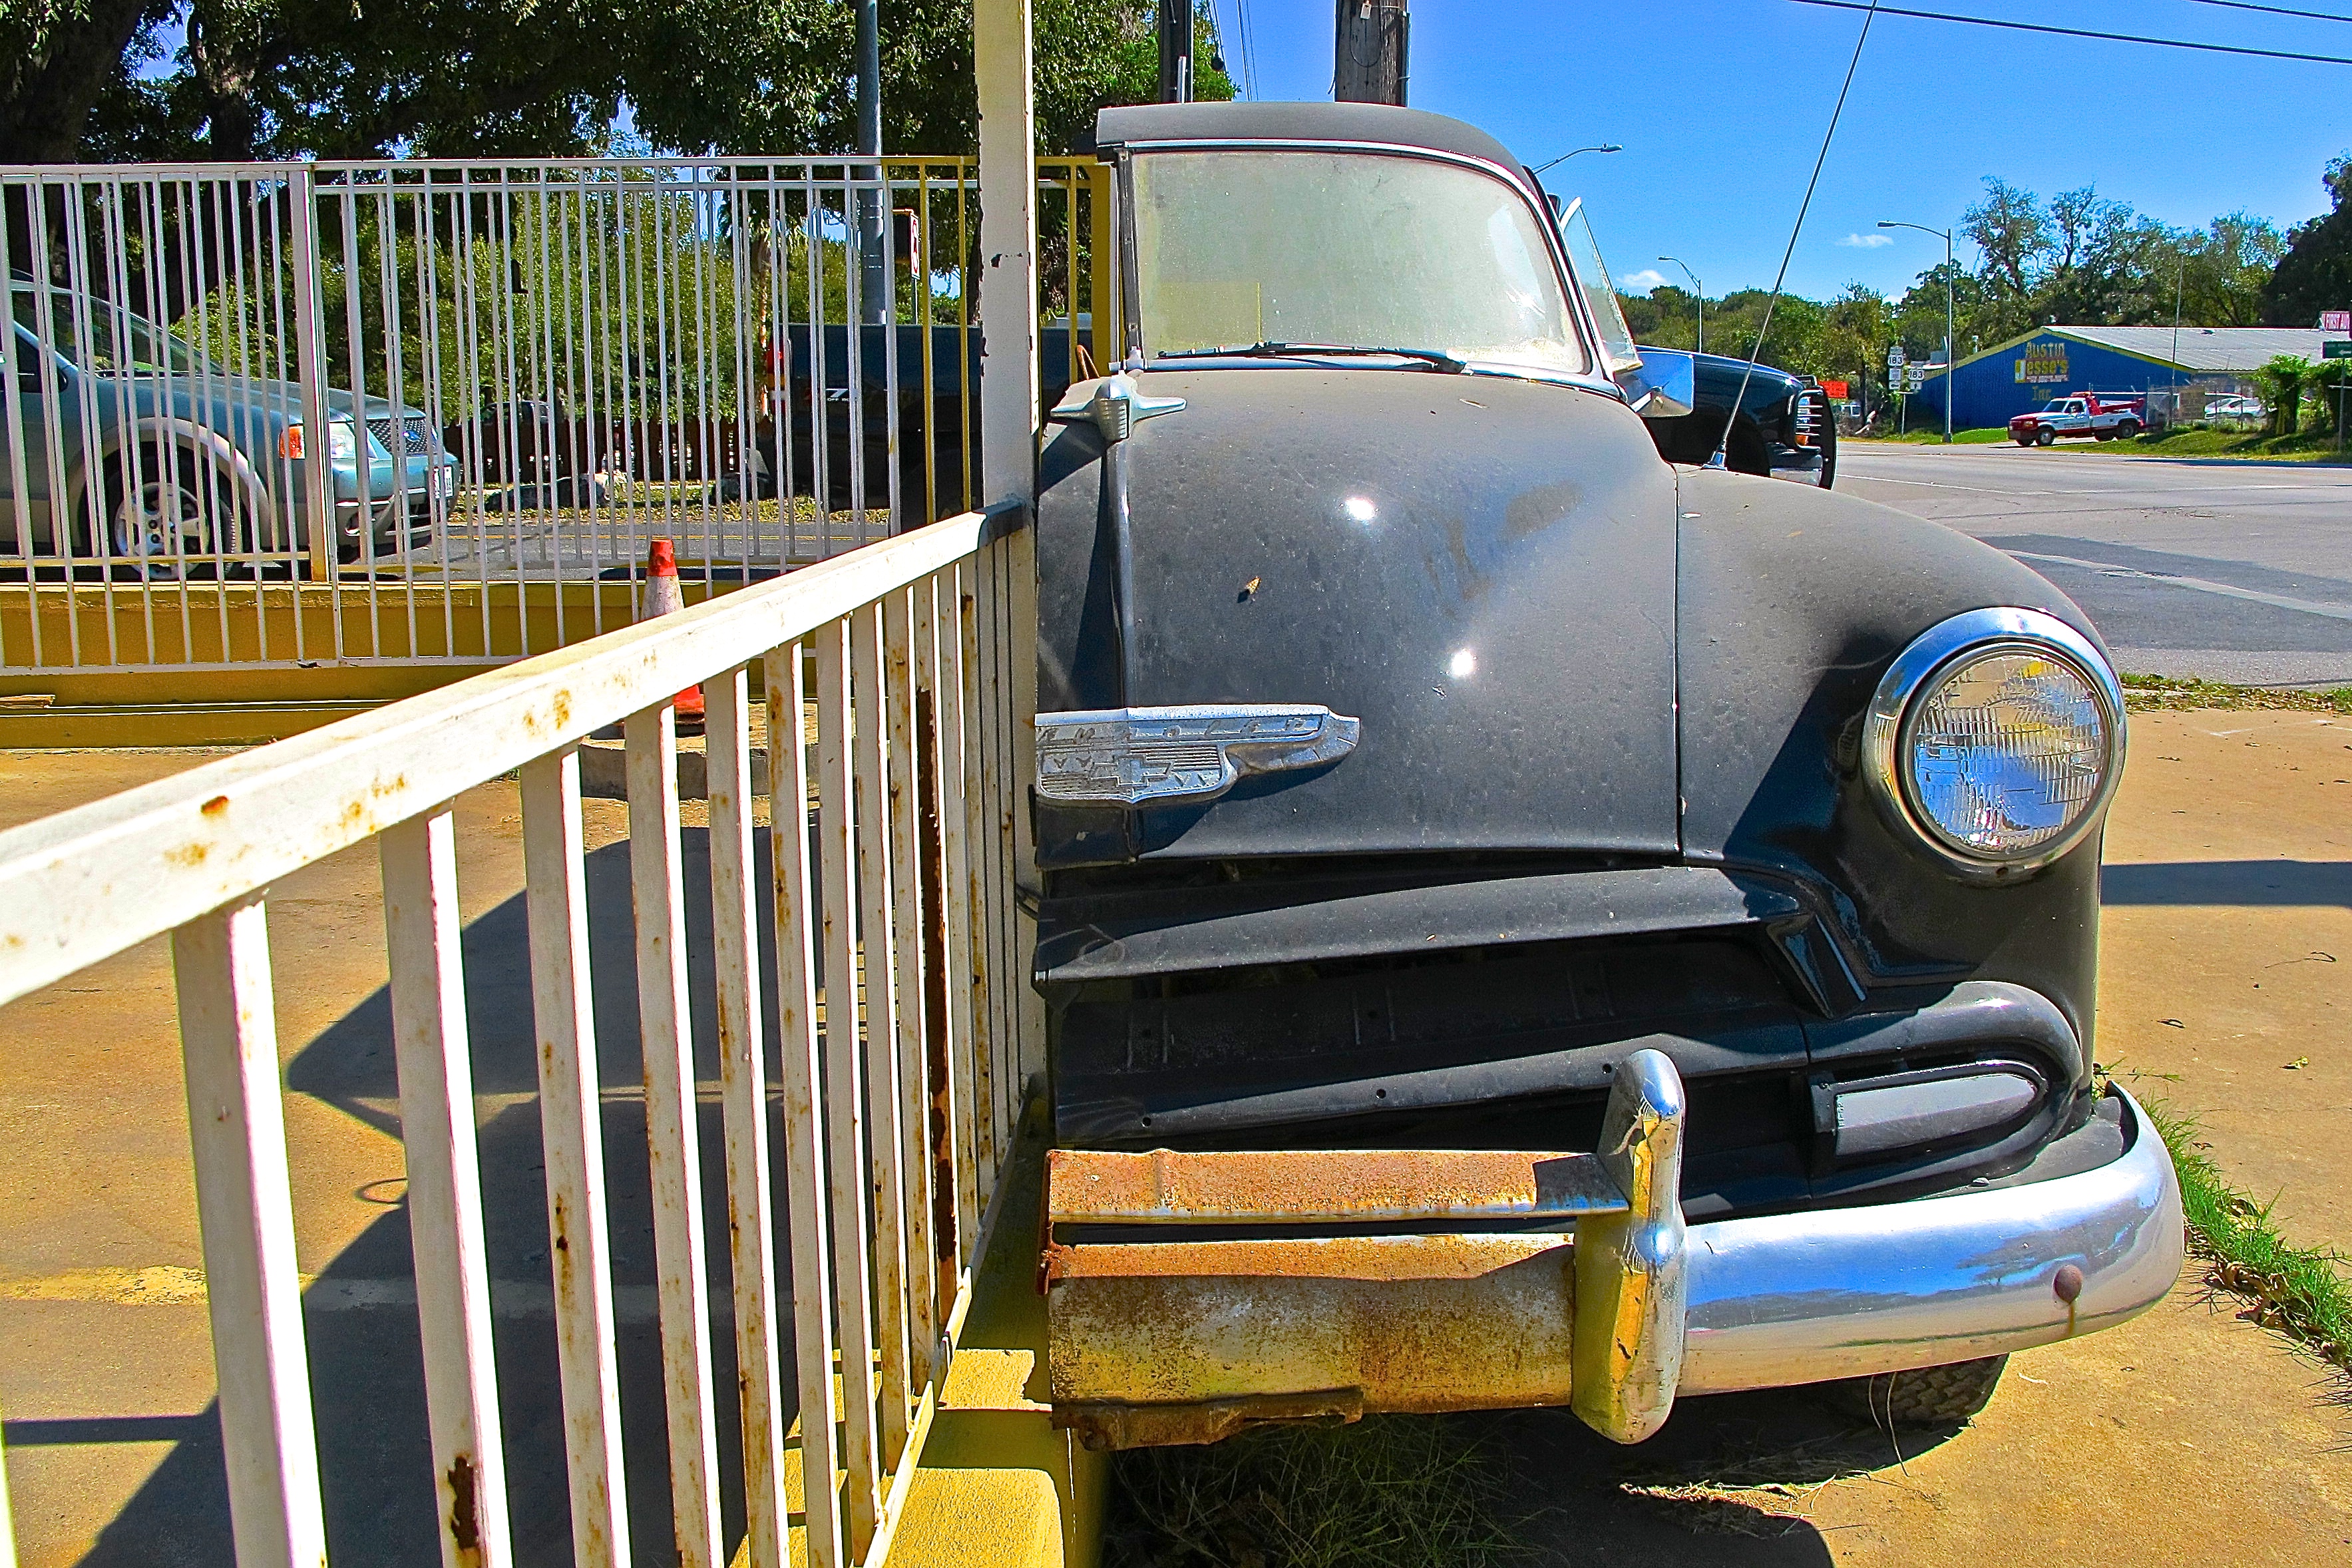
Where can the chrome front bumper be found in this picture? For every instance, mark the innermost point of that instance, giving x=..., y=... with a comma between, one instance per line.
x=1615, y=1308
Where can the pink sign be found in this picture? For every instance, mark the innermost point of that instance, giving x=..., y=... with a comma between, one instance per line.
x=2336, y=320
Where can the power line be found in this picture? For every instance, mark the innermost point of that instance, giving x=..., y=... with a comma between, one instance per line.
x=2272, y=10
x=1722, y=443
x=2082, y=33
x=1249, y=47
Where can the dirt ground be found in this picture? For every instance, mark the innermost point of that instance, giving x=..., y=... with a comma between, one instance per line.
x=2187, y=1437
x=2225, y=986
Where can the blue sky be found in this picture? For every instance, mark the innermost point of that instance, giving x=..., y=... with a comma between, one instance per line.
x=1720, y=105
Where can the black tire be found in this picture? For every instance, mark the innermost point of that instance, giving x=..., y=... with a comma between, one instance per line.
x=2025, y=440
x=183, y=521
x=2045, y=439
x=1827, y=475
x=1925, y=1397
x=2128, y=431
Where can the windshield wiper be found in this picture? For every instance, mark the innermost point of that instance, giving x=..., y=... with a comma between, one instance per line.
x=1436, y=359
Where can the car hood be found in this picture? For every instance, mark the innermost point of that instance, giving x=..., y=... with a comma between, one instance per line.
x=1481, y=570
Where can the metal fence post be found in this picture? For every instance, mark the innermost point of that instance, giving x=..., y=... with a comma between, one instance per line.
x=1008, y=251
x=236, y=1132
x=310, y=366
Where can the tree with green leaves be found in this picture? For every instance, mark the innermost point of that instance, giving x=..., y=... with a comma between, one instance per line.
x=2283, y=381
x=286, y=78
x=2315, y=273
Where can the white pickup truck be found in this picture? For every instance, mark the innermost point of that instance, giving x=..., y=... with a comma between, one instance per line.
x=2102, y=415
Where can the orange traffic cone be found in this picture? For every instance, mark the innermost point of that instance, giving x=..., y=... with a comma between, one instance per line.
x=664, y=598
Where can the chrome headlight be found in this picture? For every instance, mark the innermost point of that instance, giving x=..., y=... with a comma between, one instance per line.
x=1998, y=737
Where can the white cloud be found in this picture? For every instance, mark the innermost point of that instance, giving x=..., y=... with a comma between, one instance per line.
x=1644, y=280
x=1867, y=241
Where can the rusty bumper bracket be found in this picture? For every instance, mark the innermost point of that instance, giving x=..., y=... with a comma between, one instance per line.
x=1187, y=1340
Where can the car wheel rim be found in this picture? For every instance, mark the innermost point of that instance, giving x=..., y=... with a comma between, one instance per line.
x=159, y=528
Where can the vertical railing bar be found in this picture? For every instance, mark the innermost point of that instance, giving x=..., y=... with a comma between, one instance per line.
x=919, y=272
x=937, y=1148
x=112, y=247
x=395, y=375
x=356, y=345
x=742, y=1085
x=61, y=522
x=86, y=400
x=904, y=801
x=956, y=899
x=193, y=270
x=1020, y=768
x=237, y=1134
x=967, y=407
x=799, y=1079
x=665, y=1037
x=11, y=404
x=564, y=1005
x=892, y=486
x=978, y=836
x=431, y=372
x=310, y=354
x=843, y=1114
x=997, y=877
x=445, y=1188
x=878, y=892
x=508, y=372
x=747, y=440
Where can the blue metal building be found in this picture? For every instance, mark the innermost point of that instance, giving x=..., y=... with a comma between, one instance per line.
x=1989, y=388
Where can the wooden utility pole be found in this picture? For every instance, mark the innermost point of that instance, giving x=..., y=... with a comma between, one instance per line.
x=1367, y=51
x=1175, y=51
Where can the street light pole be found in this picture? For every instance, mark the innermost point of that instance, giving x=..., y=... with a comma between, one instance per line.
x=1564, y=157
x=1945, y=236
x=1701, y=288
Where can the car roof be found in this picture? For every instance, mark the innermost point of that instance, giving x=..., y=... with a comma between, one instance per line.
x=1377, y=124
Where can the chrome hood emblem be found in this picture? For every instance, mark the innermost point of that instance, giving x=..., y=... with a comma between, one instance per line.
x=1126, y=756
x=1113, y=409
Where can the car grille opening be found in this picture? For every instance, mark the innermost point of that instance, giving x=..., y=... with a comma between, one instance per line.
x=407, y=438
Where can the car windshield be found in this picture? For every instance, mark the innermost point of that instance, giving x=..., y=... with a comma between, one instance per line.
x=1368, y=251
x=95, y=336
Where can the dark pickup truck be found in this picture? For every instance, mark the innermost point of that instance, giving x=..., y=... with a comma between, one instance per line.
x=1784, y=424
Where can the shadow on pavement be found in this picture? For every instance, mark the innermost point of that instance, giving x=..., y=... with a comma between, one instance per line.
x=2245, y=882
x=1727, y=1483
x=366, y=1364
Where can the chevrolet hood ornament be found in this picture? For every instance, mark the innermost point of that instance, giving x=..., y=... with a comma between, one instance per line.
x=1131, y=756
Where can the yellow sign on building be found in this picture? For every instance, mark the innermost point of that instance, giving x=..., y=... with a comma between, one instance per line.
x=2042, y=362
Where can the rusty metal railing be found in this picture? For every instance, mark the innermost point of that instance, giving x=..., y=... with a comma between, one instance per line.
x=900, y=1043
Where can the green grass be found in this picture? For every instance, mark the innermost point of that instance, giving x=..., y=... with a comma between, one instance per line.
x=1394, y=1491
x=2306, y=448
x=2147, y=693
x=2300, y=1291
x=1934, y=437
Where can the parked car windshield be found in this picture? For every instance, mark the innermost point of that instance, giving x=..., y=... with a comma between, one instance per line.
x=1365, y=249
x=95, y=336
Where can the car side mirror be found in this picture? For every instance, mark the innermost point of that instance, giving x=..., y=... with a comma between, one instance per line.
x=1662, y=385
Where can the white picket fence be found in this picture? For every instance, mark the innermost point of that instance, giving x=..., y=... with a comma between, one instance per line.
x=905, y=1035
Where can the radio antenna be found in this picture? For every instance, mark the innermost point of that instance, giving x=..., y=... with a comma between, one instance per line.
x=1715, y=459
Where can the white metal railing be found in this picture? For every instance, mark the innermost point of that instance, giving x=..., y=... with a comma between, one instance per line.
x=431, y=411
x=903, y=1037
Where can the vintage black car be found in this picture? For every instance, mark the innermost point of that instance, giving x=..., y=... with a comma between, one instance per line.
x=1784, y=424
x=1522, y=922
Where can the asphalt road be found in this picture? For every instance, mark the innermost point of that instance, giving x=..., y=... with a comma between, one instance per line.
x=2226, y=571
